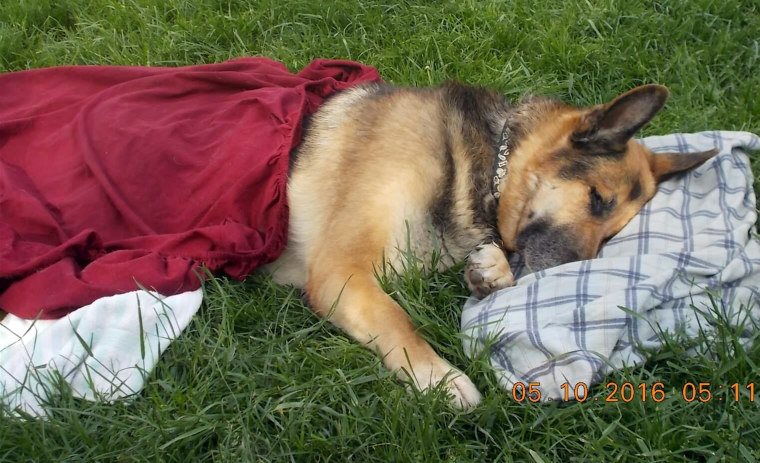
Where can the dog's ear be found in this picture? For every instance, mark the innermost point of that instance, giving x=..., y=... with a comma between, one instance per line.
x=613, y=124
x=664, y=165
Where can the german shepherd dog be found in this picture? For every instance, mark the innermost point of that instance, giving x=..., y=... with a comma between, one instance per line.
x=461, y=170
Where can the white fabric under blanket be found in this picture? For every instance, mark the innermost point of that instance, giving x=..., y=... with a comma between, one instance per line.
x=104, y=350
x=565, y=324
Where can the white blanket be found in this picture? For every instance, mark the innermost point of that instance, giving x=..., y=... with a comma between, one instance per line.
x=103, y=351
x=566, y=325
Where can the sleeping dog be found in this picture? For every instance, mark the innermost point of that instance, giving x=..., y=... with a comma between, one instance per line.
x=460, y=170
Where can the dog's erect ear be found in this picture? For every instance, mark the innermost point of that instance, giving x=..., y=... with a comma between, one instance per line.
x=613, y=124
x=665, y=165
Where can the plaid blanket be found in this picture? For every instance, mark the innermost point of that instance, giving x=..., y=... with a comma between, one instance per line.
x=691, y=241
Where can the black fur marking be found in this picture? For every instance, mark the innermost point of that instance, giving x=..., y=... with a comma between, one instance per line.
x=601, y=149
x=635, y=191
x=577, y=168
x=598, y=206
x=590, y=144
x=472, y=102
x=443, y=207
x=480, y=109
x=536, y=227
x=544, y=244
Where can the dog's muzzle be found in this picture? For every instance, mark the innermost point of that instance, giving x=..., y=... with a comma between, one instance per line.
x=544, y=245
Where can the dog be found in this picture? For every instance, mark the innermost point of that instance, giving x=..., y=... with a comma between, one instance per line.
x=457, y=169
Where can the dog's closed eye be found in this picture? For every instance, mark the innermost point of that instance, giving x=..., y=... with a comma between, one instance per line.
x=598, y=205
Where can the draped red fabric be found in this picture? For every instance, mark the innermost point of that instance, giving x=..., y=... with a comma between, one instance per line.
x=110, y=175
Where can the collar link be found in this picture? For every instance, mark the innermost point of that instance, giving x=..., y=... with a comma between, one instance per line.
x=500, y=161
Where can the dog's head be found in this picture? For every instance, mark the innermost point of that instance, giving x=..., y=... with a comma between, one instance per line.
x=576, y=177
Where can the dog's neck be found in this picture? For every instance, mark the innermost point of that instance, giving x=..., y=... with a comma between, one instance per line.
x=505, y=124
x=515, y=122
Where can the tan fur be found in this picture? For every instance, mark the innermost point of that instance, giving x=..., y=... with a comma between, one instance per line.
x=372, y=169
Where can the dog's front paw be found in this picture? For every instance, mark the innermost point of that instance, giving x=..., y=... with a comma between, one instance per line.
x=464, y=394
x=488, y=270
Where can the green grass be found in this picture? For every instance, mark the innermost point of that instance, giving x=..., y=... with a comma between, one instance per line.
x=258, y=377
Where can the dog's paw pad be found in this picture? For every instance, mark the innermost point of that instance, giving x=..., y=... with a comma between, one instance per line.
x=488, y=270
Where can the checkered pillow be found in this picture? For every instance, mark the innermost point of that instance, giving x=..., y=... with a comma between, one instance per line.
x=566, y=325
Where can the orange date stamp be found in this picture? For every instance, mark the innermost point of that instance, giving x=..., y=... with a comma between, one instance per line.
x=643, y=392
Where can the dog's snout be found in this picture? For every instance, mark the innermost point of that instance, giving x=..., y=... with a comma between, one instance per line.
x=535, y=227
x=544, y=245
x=531, y=231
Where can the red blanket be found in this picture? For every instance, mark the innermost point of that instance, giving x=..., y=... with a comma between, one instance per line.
x=115, y=175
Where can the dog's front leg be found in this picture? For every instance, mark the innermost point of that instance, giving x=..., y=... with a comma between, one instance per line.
x=487, y=270
x=352, y=299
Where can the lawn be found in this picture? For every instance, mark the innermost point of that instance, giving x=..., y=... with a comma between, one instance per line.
x=257, y=377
